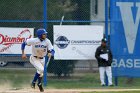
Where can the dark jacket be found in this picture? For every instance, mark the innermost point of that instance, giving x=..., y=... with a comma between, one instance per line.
x=103, y=50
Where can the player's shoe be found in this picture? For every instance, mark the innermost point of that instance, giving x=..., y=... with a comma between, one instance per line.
x=111, y=85
x=102, y=85
x=33, y=85
x=40, y=87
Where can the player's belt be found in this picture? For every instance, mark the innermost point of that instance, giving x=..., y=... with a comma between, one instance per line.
x=38, y=57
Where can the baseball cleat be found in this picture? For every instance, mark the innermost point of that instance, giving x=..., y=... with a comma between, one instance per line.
x=40, y=87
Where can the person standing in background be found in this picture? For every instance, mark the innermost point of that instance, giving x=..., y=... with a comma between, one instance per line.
x=104, y=58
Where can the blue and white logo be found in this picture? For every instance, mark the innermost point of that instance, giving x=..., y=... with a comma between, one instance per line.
x=131, y=22
x=62, y=42
x=125, y=30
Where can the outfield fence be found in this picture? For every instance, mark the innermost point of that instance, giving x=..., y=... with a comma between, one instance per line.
x=121, y=30
x=45, y=14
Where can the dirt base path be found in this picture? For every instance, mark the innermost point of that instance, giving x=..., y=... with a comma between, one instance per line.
x=15, y=90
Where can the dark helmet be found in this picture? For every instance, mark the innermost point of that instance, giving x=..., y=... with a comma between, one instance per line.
x=104, y=40
x=40, y=32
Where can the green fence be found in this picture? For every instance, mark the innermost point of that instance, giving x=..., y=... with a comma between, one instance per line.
x=44, y=14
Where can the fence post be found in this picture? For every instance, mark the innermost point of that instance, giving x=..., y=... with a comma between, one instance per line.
x=106, y=30
x=106, y=19
x=45, y=71
x=45, y=13
x=45, y=27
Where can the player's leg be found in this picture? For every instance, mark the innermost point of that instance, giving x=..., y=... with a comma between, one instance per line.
x=109, y=75
x=40, y=84
x=41, y=76
x=102, y=75
x=36, y=76
x=42, y=61
x=37, y=64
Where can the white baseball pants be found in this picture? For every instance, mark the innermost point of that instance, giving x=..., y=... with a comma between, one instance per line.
x=38, y=64
x=108, y=71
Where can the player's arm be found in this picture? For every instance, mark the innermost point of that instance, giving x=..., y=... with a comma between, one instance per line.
x=110, y=56
x=50, y=49
x=98, y=53
x=22, y=49
x=28, y=42
x=51, y=52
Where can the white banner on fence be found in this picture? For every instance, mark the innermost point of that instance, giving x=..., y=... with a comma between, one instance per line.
x=11, y=39
x=76, y=42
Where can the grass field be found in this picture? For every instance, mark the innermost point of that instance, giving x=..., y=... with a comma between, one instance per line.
x=21, y=78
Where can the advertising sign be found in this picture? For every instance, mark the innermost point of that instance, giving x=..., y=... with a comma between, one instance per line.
x=76, y=42
x=125, y=37
x=11, y=39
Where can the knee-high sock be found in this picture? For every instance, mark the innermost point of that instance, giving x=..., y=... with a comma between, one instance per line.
x=35, y=77
x=39, y=80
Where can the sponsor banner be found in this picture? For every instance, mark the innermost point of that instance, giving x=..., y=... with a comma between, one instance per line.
x=74, y=42
x=11, y=39
x=125, y=37
x=126, y=66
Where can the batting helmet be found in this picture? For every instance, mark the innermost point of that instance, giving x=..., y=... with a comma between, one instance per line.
x=40, y=32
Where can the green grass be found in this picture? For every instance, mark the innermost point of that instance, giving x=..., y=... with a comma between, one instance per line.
x=90, y=80
x=18, y=78
x=84, y=81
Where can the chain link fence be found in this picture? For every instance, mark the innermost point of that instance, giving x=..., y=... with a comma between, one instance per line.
x=44, y=14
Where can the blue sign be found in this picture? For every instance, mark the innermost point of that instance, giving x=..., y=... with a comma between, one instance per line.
x=125, y=37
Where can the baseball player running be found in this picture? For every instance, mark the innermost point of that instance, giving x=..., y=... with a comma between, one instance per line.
x=41, y=46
